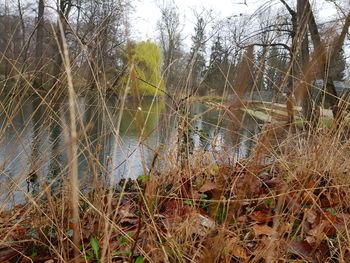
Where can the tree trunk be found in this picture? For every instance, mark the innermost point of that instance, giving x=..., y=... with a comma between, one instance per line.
x=63, y=12
x=261, y=69
x=20, y=14
x=304, y=16
x=319, y=68
x=292, y=67
x=39, y=45
x=337, y=109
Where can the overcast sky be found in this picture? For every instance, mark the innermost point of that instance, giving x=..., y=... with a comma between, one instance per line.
x=147, y=13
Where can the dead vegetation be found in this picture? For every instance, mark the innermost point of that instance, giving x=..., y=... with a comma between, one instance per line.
x=293, y=209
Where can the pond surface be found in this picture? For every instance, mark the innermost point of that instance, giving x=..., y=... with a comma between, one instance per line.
x=34, y=146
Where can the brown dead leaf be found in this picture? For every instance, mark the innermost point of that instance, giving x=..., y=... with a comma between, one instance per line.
x=293, y=203
x=263, y=230
x=324, y=201
x=247, y=185
x=310, y=216
x=260, y=217
x=272, y=183
x=203, y=224
x=242, y=219
x=177, y=208
x=301, y=248
x=193, y=223
x=236, y=249
x=126, y=215
x=308, y=198
x=343, y=221
x=317, y=234
x=7, y=252
x=37, y=260
x=209, y=186
x=239, y=252
x=311, y=184
x=329, y=224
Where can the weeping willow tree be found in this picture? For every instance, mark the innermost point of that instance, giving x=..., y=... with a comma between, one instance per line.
x=147, y=59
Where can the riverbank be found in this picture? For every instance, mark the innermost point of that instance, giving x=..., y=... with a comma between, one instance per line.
x=289, y=202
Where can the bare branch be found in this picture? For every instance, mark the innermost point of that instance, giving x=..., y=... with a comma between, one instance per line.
x=290, y=10
x=267, y=45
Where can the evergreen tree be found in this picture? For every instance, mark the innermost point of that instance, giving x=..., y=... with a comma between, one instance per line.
x=277, y=65
x=337, y=72
x=197, y=62
x=260, y=68
x=217, y=52
x=220, y=69
x=213, y=73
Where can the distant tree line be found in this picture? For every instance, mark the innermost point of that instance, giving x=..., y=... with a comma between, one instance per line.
x=33, y=35
x=291, y=48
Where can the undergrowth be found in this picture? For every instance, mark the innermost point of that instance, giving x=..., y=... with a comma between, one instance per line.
x=294, y=207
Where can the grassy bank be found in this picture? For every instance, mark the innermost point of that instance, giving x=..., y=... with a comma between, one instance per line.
x=288, y=202
x=277, y=114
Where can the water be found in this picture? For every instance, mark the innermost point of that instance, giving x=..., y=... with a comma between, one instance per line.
x=33, y=141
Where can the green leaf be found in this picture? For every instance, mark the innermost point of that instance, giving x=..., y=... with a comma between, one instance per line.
x=95, y=247
x=249, y=209
x=139, y=259
x=268, y=201
x=144, y=178
x=203, y=196
x=122, y=240
x=89, y=255
x=332, y=210
x=188, y=202
x=125, y=252
x=33, y=252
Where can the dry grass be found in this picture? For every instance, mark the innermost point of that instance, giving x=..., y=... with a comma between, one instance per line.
x=294, y=208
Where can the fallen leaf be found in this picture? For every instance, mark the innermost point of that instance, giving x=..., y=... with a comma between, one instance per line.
x=208, y=186
x=263, y=230
x=308, y=198
x=324, y=202
x=126, y=215
x=242, y=219
x=236, y=249
x=331, y=219
x=343, y=221
x=177, y=208
x=311, y=240
x=301, y=248
x=272, y=183
x=204, y=224
x=317, y=233
x=7, y=252
x=310, y=216
x=37, y=260
x=260, y=217
x=293, y=204
x=239, y=252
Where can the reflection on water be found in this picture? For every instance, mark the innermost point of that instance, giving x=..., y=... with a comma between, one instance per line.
x=33, y=145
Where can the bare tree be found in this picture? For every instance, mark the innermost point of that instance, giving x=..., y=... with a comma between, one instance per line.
x=320, y=65
x=169, y=28
x=39, y=44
